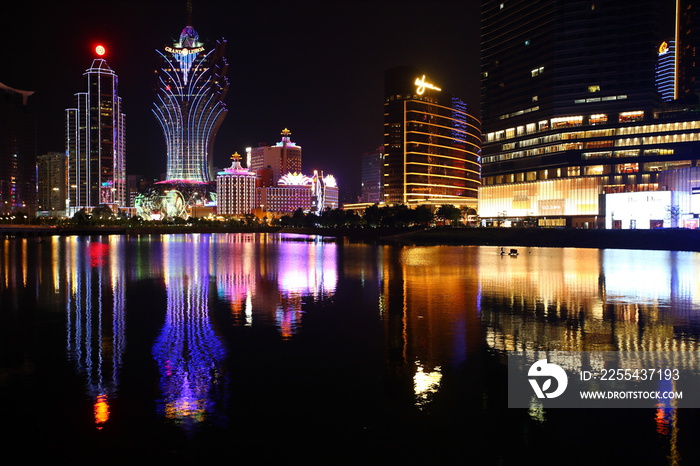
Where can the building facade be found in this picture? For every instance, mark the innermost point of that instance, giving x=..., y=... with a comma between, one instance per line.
x=282, y=158
x=372, y=177
x=189, y=104
x=235, y=190
x=17, y=152
x=568, y=118
x=52, y=184
x=431, y=143
x=96, y=142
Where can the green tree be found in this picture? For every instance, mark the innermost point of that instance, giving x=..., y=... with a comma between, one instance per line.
x=449, y=213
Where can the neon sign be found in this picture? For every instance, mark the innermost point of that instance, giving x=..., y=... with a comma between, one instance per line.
x=184, y=51
x=421, y=86
x=100, y=50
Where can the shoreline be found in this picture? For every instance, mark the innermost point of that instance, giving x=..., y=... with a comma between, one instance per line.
x=661, y=239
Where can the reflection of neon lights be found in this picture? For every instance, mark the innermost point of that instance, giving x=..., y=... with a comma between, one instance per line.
x=101, y=410
x=188, y=352
x=425, y=383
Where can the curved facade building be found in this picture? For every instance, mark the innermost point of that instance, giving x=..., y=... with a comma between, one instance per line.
x=431, y=143
x=189, y=105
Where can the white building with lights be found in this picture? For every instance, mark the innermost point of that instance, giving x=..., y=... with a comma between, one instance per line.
x=235, y=189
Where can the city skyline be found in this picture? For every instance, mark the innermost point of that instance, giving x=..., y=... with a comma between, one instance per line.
x=303, y=66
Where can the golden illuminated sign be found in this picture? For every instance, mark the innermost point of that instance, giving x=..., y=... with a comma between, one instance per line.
x=184, y=51
x=421, y=86
x=663, y=48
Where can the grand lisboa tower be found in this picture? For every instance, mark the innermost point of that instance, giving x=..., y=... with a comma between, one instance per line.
x=189, y=105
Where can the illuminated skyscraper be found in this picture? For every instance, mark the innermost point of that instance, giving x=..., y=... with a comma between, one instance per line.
x=95, y=141
x=189, y=103
x=431, y=143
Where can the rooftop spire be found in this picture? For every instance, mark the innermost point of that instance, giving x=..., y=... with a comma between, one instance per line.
x=189, y=13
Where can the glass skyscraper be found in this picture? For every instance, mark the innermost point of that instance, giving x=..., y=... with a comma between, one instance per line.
x=189, y=104
x=572, y=109
x=95, y=142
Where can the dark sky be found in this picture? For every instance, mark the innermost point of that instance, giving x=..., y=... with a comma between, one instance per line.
x=315, y=67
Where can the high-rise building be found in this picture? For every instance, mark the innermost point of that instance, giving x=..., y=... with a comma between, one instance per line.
x=17, y=152
x=372, y=177
x=571, y=110
x=431, y=143
x=190, y=106
x=284, y=157
x=95, y=141
x=52, y=183
x=687, y=49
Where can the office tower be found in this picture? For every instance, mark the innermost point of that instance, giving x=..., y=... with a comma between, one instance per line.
x=95, y=141
x=687, y=44
x=189, y=104
x=284, y=157
x=52, y=183
x=571, y=111
x=431, y=143
x=235, y=189
x=17, y=152
x=372, y=177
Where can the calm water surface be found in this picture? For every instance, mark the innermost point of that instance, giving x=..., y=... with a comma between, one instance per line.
x=246, y=347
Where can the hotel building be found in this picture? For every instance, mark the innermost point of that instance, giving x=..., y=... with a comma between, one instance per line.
x=95, y=142
x=235, y=189
x=17, y=152
x=568, y=118
x=282, y=158
x=189, y=105
x=431, y=143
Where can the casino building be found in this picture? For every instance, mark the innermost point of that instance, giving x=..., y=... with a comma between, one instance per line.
x=431, y=143
x=190, y=108
x=189, y=105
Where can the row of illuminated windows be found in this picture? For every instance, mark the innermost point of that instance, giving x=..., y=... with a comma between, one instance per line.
x=626, y=142
x=590, y=170
x=612, y=132
x=625, y=153
x=565, y=122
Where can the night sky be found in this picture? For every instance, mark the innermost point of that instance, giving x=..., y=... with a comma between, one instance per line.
x=315, y=67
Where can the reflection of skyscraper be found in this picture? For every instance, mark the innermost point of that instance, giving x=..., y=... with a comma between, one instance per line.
x=189, y=104
x=95, y=141
x=95, y=318
x=188, y=352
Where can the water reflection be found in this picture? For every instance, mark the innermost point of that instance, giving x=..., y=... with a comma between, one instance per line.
x=189, y=354
x=266, y=278
x=95, y=316
x=321, y=315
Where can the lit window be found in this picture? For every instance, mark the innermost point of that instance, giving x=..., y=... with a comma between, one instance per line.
x=594, y=88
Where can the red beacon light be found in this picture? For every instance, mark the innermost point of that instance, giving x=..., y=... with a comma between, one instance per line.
x=100, y=50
